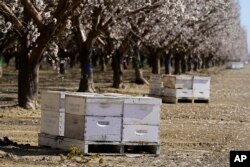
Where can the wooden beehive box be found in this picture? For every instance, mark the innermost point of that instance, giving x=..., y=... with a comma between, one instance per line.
x=141, y=119
x=141, y=111
x=178, y=81
x=95, y=114
x=201, y=83
x=52, y=112
x=178, y=93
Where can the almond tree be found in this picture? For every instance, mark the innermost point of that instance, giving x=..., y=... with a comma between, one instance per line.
x=36, y=22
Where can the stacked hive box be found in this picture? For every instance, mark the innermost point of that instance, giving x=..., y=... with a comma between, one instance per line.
x=156, y=85
x=93, y=118
x=52, y=113
x=235, y=65
x=141, y=121
x=113, y=120
x=201, y=88
x=177, y=87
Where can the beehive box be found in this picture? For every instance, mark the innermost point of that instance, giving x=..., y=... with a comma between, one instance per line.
x=201, y=94
x=141, y=133
x=178, y=93
x=52, y=123
x=156, y=78
x=178, y=81
x=235, y=65
x=53, y=101
x=201, y=83
x=89, y=109
x=141, y=111
x=94, y=105
x=103, y=128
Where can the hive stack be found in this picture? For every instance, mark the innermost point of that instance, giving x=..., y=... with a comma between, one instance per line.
x=177, y=87
x=201, y=88
x=116, y=121
x=235, y=65
x=156, y=85
x=53, y=113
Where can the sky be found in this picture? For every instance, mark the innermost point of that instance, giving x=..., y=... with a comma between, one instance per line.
x=245, y=18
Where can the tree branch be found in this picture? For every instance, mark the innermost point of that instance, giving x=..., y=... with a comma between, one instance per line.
x=10, y=16
x=33, y=13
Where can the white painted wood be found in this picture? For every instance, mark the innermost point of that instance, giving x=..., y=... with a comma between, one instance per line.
x=178, y=92
x=142, y=100
x=104, y=106
x=74, y=126
x=202, y=94
x=235, y=65
x=138, y=113
x=52, y=123
x=140, y=133
x=52, y=101
x=201, y=83
x=103, y=128
x=178, y=81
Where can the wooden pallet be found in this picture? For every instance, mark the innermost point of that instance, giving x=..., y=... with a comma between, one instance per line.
x=184, y=100
x=169, y=99
x=201, y=100
x=104, y=148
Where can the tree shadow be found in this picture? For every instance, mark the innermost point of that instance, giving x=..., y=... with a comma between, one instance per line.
x=27, y=150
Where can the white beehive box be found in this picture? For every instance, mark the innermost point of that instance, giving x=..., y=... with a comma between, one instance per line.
x=52, y=123
x=201, y=94
x=178, y=93
x=201, y=83
x=178, y=81
x=94, y=105
x=53, y=101
x=103, y=128
x=142, y=110
x=74, y=126
x=140, y=133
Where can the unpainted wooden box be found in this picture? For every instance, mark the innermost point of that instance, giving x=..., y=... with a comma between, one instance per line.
x=201, y=83
x=74, y=126
x=52, y=123
x=94, y=105
x=103, y=128
x=53, y=101
x=188, y=93
x=155, y=78
x=104, y=106
x=178, y=81
x=142, y=110
x=141, y=133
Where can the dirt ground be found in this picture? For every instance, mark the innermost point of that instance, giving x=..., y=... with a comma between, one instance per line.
x=196, y=135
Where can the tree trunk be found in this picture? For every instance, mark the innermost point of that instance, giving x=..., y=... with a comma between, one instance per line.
x=103, y=63
x=195, y=64
x=189, y=63
x=156, y=64
x=168, y=64
x=177, y=70
x=139, y=79
x=27, y=81
x=184, y=64
x=86, y=82
x=117, y=70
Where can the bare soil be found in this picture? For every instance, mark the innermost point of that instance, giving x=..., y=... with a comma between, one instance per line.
x=191, y=134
